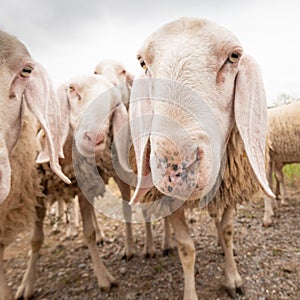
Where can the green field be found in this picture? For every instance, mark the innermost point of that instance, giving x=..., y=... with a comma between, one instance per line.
x=292, y=174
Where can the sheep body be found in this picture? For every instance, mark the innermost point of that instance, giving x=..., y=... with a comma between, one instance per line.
x=283, y=146
x=26, y=96
x=198, y=124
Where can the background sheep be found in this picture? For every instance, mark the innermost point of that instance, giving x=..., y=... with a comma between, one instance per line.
x=25, y=94
x=283, y=139
x=115, y=72
x=204, y=82
x=73, y=97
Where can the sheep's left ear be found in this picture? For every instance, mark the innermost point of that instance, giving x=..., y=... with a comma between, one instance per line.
x=44, y=155
x=250, y=108
x=120, y=124
x=129, y=78
x=42, y=101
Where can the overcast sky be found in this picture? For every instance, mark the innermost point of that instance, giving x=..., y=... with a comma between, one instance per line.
x=71, y=37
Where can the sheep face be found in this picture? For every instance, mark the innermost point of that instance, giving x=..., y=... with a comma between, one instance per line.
x=113, y=71
x=198, y=84
x=24, y=82
x=96, y=107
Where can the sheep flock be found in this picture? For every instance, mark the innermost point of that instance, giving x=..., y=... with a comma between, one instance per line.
x=185, y=152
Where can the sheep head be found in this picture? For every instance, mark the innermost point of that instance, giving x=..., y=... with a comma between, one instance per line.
x=92, y=106
x=113, y=71
x=198, y=85
x=25, y=82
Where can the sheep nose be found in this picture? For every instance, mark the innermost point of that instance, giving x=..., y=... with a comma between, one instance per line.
x=94, y=139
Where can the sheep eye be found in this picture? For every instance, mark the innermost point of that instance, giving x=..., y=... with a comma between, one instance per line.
x=123, y=72
x=234, y=57
x=142, y=63
x=26, y=71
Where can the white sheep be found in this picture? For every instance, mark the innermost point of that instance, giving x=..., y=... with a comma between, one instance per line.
x=26, y=94
x=74, y=97
x=198, y=123
x=283, y=145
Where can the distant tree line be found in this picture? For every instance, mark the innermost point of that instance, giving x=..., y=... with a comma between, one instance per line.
x=284, y=99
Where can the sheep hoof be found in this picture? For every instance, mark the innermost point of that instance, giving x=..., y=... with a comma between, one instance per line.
x=100, y=242
x=107, y=288
x=267, y=222
x=127, y=256
x=109, y=283
x=167, y=251
x=149, y=255
x=233, y=292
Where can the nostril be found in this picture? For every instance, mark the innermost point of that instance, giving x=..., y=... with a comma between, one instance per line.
x=99, y=139
x=94, y=139
x=88, y=137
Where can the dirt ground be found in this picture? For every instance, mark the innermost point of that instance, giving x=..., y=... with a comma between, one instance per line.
x=268, y=260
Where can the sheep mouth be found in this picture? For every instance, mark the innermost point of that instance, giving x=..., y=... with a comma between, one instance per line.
x=182, y=181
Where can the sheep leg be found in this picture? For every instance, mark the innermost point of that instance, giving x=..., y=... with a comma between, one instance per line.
x=26, y=289
x=280, y=179
x=71, y=231
x=59, y=212
x=5, y=293
x=233, y=281
x=269, y=213
x=105, y=279
x=167, y=238
x=129, y=250
x=100, y=236
x=186, y=250
x=149, y=247
x=219, y=233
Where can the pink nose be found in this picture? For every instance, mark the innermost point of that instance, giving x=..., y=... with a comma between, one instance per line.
x=94, y=139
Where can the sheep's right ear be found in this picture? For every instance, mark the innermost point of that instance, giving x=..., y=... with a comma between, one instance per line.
x=5, y=172
x=250, y=108
x=140, y=116
x=33, y=85
x=129, y=78
x=44, y=155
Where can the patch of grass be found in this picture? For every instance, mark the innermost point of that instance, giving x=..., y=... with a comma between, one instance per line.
x=277, y=252
x=158, y=268
x=292, y=174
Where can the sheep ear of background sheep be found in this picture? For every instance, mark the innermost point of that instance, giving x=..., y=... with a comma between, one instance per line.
x=44, y=155
x=250, y=116
x=29, y=85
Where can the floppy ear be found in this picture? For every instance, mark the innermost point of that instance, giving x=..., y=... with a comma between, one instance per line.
x=141, y=114
x=44, y=155
x=120, y=124
x=42, y=100
x=129, y=78
x=5, y=172
x=250, y=108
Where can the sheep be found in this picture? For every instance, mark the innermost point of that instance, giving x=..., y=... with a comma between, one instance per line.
x=73, y=97
x=26, y=96
x=283, y=145
x=198, y=124
x=117, y=74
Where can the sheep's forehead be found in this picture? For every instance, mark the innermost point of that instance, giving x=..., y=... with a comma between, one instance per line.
x=110, y=63
x=12, y=52
x=190, y=37
x=90, y=86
